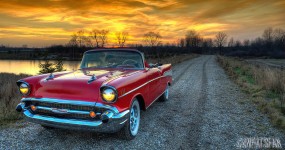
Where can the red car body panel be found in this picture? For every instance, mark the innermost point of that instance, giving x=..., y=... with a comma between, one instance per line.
x=147, y=84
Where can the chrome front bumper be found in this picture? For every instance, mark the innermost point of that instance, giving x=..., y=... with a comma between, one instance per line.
x=115, y=119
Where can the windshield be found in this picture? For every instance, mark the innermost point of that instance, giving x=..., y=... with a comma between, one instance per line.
x=112, y=59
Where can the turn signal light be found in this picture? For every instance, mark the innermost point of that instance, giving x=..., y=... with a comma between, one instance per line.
x=33, y=108
x=92, y=114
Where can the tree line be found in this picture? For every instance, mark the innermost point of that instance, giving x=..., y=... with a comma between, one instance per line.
x=270, y=43
x=99, y=38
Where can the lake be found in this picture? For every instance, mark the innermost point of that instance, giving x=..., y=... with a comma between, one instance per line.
x=31, y=66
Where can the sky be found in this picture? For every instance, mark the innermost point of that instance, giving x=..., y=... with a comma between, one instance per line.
x=40, y=23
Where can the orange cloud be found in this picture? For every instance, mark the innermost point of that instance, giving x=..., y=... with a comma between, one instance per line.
x=45, y=22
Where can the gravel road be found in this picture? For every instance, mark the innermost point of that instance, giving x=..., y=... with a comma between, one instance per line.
x=205, y=111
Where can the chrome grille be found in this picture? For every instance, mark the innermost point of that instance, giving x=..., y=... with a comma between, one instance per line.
x=70, y=116
x=65, y=106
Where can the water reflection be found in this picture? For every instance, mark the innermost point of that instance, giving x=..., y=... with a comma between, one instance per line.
x=31, y=66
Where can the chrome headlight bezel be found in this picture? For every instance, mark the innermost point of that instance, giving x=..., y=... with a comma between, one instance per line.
x=109, y=90
x=25, y=85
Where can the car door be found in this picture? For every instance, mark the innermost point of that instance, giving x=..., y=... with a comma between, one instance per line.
x=153, y=75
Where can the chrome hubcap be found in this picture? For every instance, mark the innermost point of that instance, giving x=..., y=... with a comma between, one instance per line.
x=135, y=118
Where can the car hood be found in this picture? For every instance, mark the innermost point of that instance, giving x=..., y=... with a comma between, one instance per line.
x=75, y=86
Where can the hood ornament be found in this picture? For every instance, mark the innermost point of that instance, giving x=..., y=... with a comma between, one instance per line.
x=51, y=76
x=93, y=78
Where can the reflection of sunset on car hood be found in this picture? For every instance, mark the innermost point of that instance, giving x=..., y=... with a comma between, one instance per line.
x=103, y=74
x=53, y=21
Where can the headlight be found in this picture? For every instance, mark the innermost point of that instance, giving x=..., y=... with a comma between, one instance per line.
x=109, y=94
x=24, y=89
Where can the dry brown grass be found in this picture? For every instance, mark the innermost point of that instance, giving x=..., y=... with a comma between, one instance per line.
x=9, y=97
x=264, y=84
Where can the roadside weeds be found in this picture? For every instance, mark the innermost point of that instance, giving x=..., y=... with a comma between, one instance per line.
x=9, y=97
x=265, y=86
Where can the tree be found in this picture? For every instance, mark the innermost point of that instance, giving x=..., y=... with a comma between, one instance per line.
x=231, y=42
x=81, y=38
x=73, y=41
x=121, y=38
x=238, y=44
x=48, y=67
x=279, y=38
x=207, y=43
x=246, y=43
x=192, y=39
x=221, y=40
x=152, y=39
x=268, y=37
x=181, y=42
x=94, y=34
x=103, y=36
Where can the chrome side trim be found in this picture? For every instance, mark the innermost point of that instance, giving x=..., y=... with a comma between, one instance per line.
x=140, y=86
x=72, y=102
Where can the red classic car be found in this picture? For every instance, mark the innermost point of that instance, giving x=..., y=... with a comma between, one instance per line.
x=105, y=95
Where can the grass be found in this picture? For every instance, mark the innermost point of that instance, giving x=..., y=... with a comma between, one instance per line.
x=265, y=86
x=9, y=97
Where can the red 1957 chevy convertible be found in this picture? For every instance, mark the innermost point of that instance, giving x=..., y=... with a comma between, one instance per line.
x=106, y=94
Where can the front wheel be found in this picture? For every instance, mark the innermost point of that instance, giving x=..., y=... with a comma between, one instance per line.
x=131, y=128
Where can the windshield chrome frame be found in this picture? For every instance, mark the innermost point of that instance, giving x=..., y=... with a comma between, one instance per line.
x=136, y=51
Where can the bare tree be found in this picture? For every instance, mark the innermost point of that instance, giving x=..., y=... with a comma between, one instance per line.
x=238, y=44
x=94, y=34
x=231, y=42
x=182, y=42
x=207, y=43
x=279, y=38
x=121, y=38
x=73, y=41
x=221, y=40
x=268, y=37
x=246, y=43
x=81, y=38
x=88, y=41
x=103, y=36
x=152, y=39
x=192, y=39
x=268, y=34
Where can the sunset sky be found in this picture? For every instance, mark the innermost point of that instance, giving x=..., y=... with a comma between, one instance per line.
x=39, y=23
